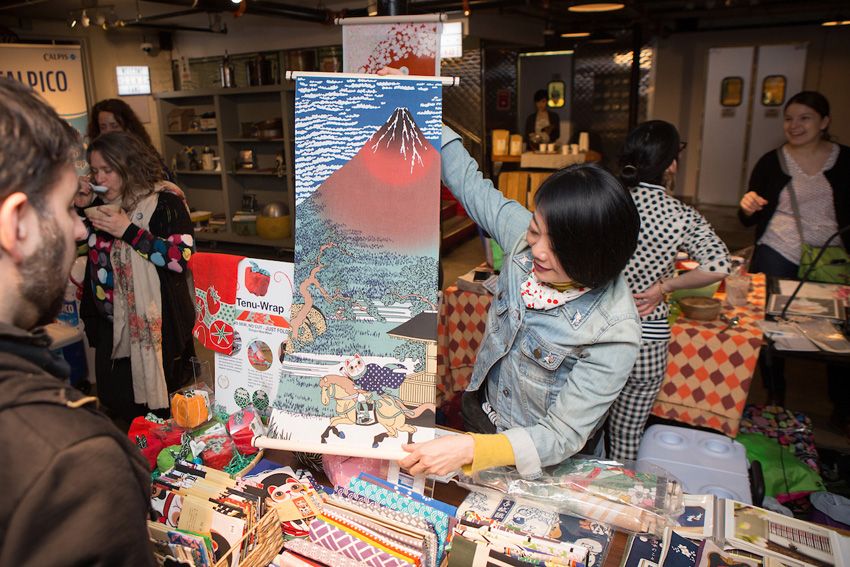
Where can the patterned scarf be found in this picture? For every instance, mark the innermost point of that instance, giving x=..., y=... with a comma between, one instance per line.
x=543, y=297
x=137, y=310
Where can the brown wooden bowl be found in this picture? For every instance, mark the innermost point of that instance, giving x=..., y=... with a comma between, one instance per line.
x=700, y=308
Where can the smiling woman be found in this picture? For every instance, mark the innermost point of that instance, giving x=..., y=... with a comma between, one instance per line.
x=562, y=333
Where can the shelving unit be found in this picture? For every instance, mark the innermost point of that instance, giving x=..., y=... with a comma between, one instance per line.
x=222, y=191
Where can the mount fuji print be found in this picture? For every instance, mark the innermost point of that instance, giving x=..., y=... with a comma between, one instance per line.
x=367, y=175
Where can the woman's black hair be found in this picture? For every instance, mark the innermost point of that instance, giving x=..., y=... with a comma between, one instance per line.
x=591, y=221
x=540, y=95
x=649, y=150
x=814, y=100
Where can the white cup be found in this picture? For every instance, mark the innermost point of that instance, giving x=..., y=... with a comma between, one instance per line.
x=737, y=288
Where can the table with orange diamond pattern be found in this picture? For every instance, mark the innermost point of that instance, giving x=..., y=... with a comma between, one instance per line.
x=708, y=373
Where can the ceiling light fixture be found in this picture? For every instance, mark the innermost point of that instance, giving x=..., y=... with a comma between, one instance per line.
x=832, y=23
x=587, y=7
x=85, y=20
x=466, y=10
x=575, y=34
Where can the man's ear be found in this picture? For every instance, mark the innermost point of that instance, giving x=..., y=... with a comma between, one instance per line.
x=13, y=229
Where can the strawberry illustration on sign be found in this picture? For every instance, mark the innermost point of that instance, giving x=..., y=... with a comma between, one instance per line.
x=257, y=279
x=213, y=300
x=221, y=334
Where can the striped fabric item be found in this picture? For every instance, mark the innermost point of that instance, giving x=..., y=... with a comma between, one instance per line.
x=655, y=330
x=439, y=520
x=331, y=537
x=376, y=533
x=321, y=554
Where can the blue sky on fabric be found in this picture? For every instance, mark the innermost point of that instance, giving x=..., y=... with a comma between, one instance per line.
x=335, y=116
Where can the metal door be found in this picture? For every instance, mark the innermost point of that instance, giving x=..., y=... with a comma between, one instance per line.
x=724, y=131
x=746, y=90
x=779, y=76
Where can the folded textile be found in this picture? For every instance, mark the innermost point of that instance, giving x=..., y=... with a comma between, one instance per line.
x=321, y=554
x=324, y=533
x=215, y=277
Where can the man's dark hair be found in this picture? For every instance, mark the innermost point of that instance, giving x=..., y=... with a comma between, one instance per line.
x=591, y=221
x=37, y=144
x=649, y=150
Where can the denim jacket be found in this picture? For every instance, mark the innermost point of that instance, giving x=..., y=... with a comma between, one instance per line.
x=551, y=375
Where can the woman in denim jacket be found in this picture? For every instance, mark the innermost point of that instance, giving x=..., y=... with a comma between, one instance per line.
x=562, y=332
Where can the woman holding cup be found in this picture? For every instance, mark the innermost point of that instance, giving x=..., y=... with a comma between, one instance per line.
x=137, y=306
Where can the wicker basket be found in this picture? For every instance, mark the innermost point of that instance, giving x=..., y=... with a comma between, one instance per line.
x=269, y=543
x=250, y=466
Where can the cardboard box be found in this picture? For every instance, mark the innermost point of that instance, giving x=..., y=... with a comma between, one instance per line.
x=179, y=119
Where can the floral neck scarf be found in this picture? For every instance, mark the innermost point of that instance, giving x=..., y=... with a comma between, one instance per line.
x=540, y=296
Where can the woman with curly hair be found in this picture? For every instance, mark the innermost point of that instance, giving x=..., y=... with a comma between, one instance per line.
x=115, y=115
x=137, y=305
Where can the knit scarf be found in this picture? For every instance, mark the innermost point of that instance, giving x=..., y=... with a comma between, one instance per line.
x=137, y=311
x=542, y=297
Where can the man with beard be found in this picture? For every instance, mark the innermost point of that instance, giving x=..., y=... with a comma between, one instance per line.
x=75, y=490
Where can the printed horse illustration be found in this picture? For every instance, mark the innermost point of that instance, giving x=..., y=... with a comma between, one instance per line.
x=390, y=412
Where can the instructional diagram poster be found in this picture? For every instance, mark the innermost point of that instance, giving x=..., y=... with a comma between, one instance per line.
x=412, y=47
x=367, y=169
x=260, y=332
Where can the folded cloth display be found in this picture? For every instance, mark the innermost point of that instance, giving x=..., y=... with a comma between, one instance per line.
x=215, y=277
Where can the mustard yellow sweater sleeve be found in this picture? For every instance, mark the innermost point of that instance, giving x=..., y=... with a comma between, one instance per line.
x=489, y=450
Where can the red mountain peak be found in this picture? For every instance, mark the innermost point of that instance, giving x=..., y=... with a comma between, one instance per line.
x=400, y=134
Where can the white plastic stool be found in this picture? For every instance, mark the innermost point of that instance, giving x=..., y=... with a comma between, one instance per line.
x=705, y=463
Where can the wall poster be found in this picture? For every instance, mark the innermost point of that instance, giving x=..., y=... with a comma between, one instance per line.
x=413, y=47
x=359, y=371
x=53, y=71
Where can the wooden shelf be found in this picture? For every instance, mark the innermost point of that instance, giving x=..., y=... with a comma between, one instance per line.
x=255, y=140
x=257, y=173
x=228, y=236
x=196, y=172
x=224, y=189
x=197, y=133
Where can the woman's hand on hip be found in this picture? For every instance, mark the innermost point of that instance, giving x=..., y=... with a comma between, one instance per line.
x=647, y=301
x=114, y=222
x=752, y=203
x=440, y=456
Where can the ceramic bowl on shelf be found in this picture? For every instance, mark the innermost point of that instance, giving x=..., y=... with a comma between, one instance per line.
x=700, y=308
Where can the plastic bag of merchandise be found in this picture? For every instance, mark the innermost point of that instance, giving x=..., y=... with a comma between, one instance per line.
x=636, y=498
x=243, y=426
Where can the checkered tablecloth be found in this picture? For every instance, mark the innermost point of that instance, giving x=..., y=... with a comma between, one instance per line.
x=709, y=372
x=463, y=318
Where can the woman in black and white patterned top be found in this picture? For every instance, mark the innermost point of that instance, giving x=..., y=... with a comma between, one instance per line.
x=648, y=160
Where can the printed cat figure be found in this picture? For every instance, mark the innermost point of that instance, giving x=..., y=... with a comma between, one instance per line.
x=371, y=377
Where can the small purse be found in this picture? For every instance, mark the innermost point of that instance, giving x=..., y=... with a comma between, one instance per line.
x=832, y=267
